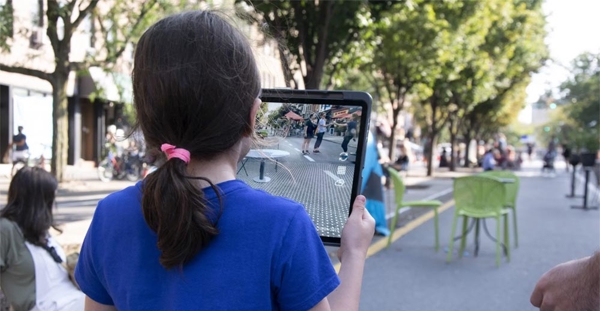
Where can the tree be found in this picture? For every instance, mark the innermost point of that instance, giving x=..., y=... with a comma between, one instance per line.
x=581, y=93
x=405, y=42
x=121, y=23
x=310, y=32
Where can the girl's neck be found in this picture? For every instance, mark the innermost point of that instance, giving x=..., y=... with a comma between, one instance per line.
x=220, y=169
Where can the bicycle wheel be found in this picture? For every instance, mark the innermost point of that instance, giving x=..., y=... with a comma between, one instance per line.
x=133, y=173
x=105, y=170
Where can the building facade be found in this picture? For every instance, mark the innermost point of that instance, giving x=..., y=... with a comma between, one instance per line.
x=96, y=98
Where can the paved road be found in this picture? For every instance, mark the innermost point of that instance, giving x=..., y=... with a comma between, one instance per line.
x=321, y=181
x=412, y=276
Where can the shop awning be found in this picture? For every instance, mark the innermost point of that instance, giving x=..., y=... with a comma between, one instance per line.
x=294, y=116
x=112, y=86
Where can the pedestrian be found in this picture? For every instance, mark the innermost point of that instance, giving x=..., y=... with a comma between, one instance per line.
x=548, y=162
x=566, y=153
x=190, y=236
x=529, y=150
x=488, y=162
x=31, y=273
x=351, y=131
x=321, y=129
x=573, y=285
x=21, y=149
x=310, y=126
x=444, y=158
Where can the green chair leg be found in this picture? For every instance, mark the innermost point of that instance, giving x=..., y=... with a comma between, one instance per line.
x=437, y=234
x=449, y=257
x=498, y=232
x=394, y=222
x=514, y=212
x=463, y=239
x=506, y=238
x=476, y=237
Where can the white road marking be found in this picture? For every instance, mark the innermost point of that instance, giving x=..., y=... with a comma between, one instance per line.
x=338, y=181
x=309, y=158
x=297, y=149
x=341, y=170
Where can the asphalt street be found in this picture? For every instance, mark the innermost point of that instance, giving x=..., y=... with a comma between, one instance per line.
x=320, y=181
x=410, y=275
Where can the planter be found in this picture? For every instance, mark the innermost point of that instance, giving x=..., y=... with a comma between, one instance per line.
x=588, y=159
x=574, y=159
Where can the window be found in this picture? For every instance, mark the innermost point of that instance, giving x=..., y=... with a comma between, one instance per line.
x=36, y=38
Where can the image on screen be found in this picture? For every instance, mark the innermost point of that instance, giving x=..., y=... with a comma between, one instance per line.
x=307, y=153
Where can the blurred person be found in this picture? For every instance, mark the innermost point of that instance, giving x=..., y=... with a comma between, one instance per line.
x=20, y=153
x=403, y=159
x=570, y=286
x=548, y=162
x=31, y=272
x=530, y=146
x=444, y=158
x=566, y=153
x=310, y=127
x=488, y=162
x=351, y=131
x=321, y=129
x=191, y=236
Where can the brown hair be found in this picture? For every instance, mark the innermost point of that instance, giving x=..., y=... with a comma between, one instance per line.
x=30, y=201
x=194, y=83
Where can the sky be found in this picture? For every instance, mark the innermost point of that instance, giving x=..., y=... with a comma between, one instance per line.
x=573, y=28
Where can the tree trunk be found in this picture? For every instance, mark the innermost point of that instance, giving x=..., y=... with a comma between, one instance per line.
x=467, y=149
x=452, y=164
x=453, y=157
x=431, y=138
x=60, y=123
x=392, y=143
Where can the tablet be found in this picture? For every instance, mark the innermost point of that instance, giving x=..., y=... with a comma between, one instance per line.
x=311, y=150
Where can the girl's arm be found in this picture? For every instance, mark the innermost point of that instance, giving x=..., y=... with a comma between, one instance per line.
x=91, y=305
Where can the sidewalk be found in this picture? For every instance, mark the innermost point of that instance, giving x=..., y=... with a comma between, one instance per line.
x=410, y=275
x=72, y=173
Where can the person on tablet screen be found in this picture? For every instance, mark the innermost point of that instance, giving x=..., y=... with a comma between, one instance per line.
x=351, y=131
x=310, y=126
x=190, y=236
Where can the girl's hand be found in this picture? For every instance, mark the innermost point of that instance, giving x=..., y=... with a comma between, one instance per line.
x=358, y=231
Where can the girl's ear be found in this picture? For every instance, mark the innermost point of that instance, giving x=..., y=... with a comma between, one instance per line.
x=253, y=112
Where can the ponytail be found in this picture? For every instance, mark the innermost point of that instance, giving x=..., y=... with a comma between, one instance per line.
x=177, y=211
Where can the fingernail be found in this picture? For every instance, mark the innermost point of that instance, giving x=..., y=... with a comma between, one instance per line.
x=361, y=199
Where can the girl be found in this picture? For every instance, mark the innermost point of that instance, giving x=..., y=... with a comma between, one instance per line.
x=191, y=236
x=31, y=274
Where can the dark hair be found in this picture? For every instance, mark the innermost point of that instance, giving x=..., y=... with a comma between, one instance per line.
x=30, y=200
x=194, y=83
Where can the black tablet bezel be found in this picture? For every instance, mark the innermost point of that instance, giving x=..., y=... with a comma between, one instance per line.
x=346, y=98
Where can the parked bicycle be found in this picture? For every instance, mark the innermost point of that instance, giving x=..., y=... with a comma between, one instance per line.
x=126, y=167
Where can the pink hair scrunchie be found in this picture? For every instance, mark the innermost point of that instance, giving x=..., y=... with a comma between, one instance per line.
x=173, y=152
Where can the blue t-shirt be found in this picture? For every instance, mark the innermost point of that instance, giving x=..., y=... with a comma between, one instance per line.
x=267, y=256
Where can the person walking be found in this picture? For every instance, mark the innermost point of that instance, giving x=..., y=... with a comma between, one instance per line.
x=310, y=126
x=31, y=272
x=351, y=131
x=321, y=129
x=191, y=236
x=21, y=149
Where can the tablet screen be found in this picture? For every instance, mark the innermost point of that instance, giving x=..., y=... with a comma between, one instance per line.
x=308, y=153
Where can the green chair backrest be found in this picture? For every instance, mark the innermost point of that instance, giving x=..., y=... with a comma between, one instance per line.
x=398, y=185
x=479, y=195
x=512, y=189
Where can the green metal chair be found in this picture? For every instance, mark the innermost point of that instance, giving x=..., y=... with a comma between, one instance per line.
x=399, y=194
x=512, y=189
x=479, y=197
